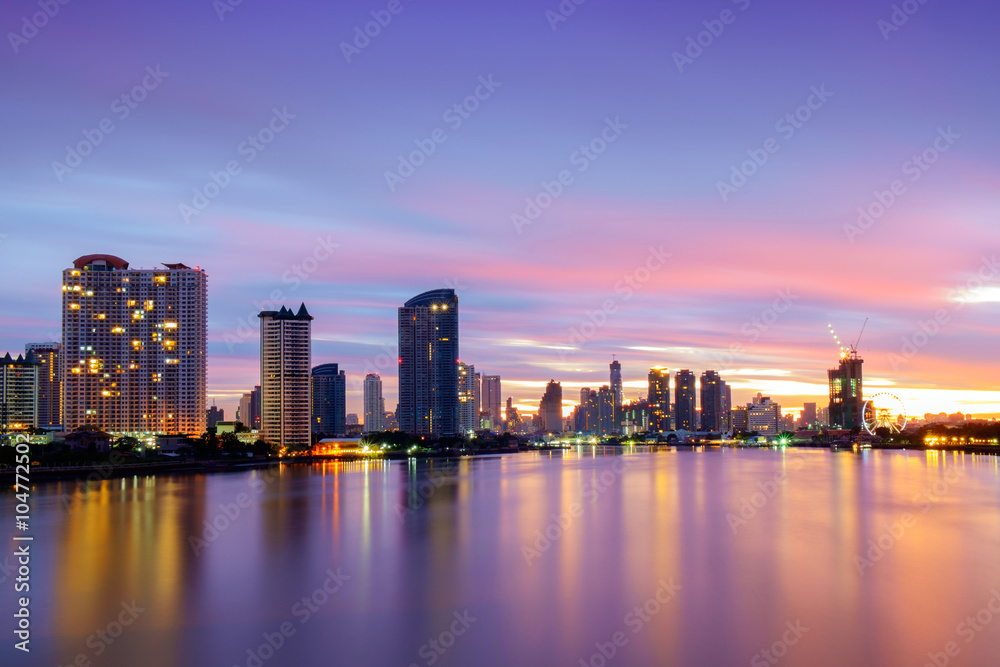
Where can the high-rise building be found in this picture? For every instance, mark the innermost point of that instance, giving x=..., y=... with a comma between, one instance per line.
x=428, y=364
x=49, y=384
x=739, y=419
x=18, y=393
x=468, y=416
x=352, y=419
x=329, y=400
x=846, y=392
x=764, y=416
x=285, y=380
x=616, y=392
x=823, y=416
x=550, y=408
x=374, y=404
x=658, y=398
x=606, y=410
x=133, y=347
x=684, y=401
x=479, y=396
x=727, y=407
x=492, y=398
x=213, y=416
x=512, y=420
x=808, y=419
x=249, y=410
x=713, y=398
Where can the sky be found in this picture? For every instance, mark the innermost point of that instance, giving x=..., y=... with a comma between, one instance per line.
x=703, y=185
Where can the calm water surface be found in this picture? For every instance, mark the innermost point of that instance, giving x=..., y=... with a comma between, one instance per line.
x=664, y=558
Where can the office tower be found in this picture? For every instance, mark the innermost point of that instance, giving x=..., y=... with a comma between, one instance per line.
x=133, y=347
x=739, y=419
x=492, y=398
x=712, y=401
x=808, y=419
x=550, y=408
x=18, y=393
x=468, y=416
x=428, y=364
x=249, y=412
x=285, y=362
x=213, y=416
x=658, y=398
x=49, y=384
x=764, y=416
x=846, y=392
x=606, y=410
x=616, y=390
x=329, y=400
x=684, y=400
x=374, y=404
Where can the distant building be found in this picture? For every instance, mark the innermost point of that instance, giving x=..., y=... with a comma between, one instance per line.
x=846, y=393
x=739, y=419
x=636, y=417
x=50, y=384
x=658, y=398
x=684, y=400
x=133, y=347
x=468, y=416
x=616, y=393
x=18, y=393
x=550, y=408
x=492, y=398
x=809, y=415
x=606, y=411
x=713, y=399
x=213, y=416
x=374, y=404
x=512, y=418
x=823, y=416
x=352, y=419
x=428, y=364
x=764, y=416
x=249, y=410
x=285, y=362
x=329, y=400
x=390, y=421
x=727, y=407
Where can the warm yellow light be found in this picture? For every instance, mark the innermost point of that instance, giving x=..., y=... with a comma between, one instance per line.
x=170, y=325
x=74, y=306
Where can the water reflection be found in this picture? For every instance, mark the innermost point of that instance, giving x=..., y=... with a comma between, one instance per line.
x=880, y=555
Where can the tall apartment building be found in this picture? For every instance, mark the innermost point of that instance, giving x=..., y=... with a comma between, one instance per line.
x=658, y=398
x=616, y=389
x=50, y=386
x=491, y=400
x=468, y=416
x=329, y=400
x=713, y=400
x=428, y=364
x=684, y=401
x=374, y=404
x=133, y=347
x=18, y=393
x=285, y=365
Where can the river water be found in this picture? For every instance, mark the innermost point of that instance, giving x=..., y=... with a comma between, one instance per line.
x=583, y=557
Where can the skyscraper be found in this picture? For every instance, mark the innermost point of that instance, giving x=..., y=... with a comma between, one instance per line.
x=712, y=401
x=616, y=392
x=249, y=412
x=49, y=384
x=846, y=392
x=550, y=408
x=428, y=364
x=658, y=397
x=374, y=404
x=285, y=362
x=18, y=393
x=492, y=399
x=329, y=400
x=809, y=416
x=684, y=400
x=468, y=416
x=606, y=410
x=133, y=348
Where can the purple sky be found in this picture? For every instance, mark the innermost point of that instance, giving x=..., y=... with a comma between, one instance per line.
x=886, y=96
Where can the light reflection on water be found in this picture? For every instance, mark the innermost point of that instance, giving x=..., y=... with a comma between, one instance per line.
x=550, y=553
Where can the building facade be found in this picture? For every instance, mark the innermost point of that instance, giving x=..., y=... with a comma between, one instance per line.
x=285, y=376
x=615, y=376
x=18, y=393
x=764, y=416
x=658, y=398
x=550, y=408
x=684, y=401
x=428, y=364
x=491, y=400
x=133, y=347
x=49, y=384
x=847, y=401
x=713, y=401
x=249, y=410
x=329, y=400
x=374, y=404
x=468, y=416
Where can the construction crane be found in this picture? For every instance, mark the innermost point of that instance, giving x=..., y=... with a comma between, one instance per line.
x=851, y=349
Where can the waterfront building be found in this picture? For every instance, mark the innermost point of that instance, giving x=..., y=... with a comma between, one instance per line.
x=764, y=416
x=658, y=398
x=50, y=384
x=492, y=398
x=329, y=400
x=468, y=415
x=550, y=408
x=684, y=400
x=285, y=379
x=374, y=404
x=428, y=364
x=846, y=392
x=18, y=393
x=713, y=398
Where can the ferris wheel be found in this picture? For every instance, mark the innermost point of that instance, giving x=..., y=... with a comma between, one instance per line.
x=884, y=410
